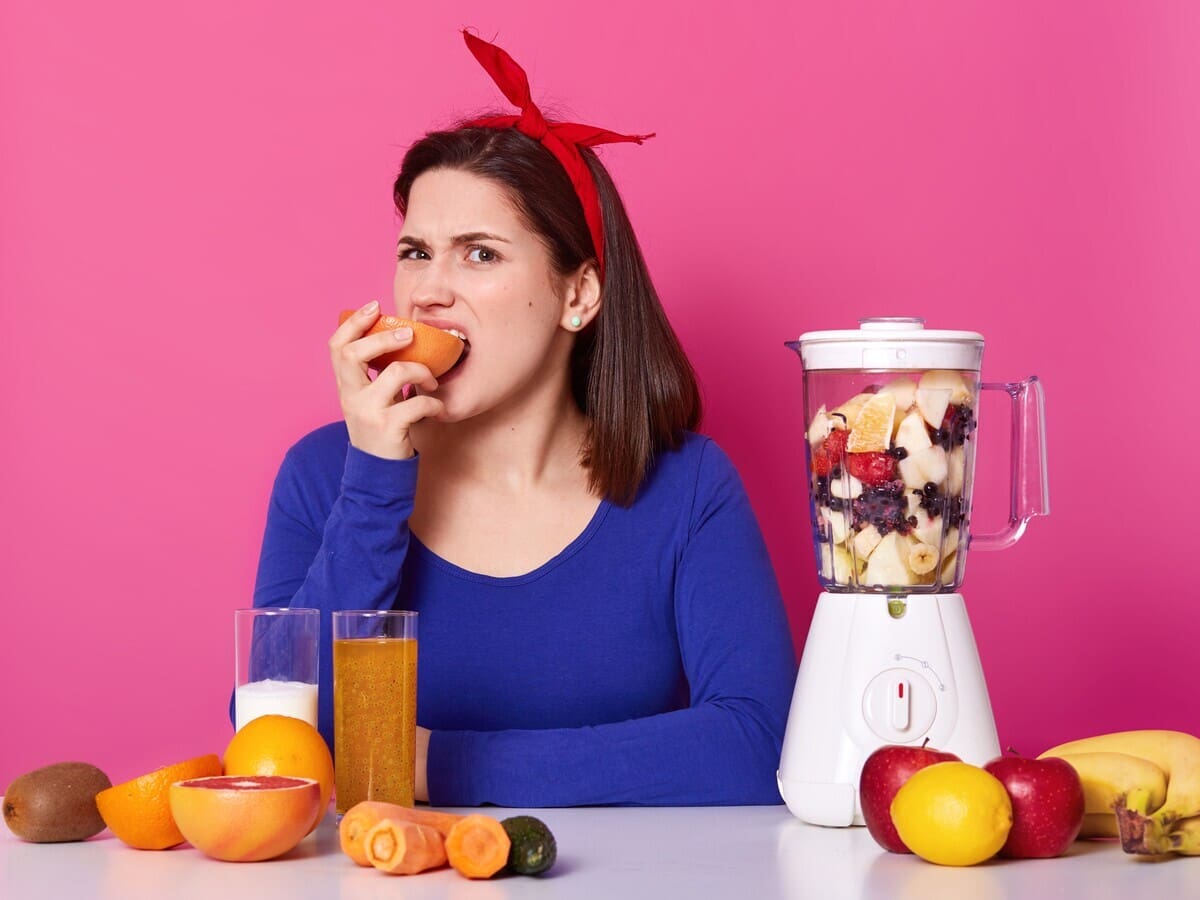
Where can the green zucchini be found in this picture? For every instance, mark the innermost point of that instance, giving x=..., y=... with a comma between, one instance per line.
x=533, y=848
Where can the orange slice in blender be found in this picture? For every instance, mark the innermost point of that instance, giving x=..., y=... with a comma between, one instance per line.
x=872, y=431
x=846, y=415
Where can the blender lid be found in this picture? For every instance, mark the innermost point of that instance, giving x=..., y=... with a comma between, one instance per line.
x=893, y=342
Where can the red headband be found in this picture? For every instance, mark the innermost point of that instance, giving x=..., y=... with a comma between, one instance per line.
x=563, y=139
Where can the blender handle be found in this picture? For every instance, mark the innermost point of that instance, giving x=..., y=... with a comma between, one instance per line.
x=1029, y=493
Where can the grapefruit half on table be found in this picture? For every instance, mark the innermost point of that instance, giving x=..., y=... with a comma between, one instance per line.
x=245, y=818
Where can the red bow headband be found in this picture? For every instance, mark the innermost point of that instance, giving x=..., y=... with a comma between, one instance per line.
x=563, y=139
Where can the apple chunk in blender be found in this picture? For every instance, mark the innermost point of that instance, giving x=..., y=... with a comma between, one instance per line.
x=888, y=481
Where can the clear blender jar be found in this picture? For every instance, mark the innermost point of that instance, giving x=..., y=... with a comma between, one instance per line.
x=891, y=417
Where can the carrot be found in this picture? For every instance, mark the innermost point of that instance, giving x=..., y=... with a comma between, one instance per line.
x=477, y=846
x=355, y=824
x=364, y=816
x=442, y=821
x=404, y=848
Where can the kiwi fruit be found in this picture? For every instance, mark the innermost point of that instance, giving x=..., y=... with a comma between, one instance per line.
x=55, y=803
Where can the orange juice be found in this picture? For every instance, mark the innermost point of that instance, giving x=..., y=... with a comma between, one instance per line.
x=374, y=719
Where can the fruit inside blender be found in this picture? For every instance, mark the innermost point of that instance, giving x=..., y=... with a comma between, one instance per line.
x=890, y=459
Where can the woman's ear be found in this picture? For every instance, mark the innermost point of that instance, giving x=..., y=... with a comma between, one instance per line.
x=581, y=303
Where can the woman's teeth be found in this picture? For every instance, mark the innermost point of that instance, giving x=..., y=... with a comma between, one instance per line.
x=465, y=349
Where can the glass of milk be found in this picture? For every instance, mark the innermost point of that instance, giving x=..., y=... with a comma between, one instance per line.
x=275, y=652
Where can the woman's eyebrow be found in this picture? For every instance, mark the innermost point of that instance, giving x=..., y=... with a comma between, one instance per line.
x=458, y=240
x=471, y=236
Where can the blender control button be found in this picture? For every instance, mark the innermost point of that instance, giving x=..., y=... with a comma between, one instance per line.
x=901, y=698
x=899, y=705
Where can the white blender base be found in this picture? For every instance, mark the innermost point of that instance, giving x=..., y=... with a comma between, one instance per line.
x=867, y=679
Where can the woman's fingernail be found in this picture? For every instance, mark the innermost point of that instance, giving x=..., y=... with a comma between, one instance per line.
x=402, y=334
x=370, y=308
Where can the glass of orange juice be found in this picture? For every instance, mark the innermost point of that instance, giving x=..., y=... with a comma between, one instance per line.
x=374, y=706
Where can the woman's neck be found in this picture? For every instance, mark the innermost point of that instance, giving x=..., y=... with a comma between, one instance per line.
x=516, y=447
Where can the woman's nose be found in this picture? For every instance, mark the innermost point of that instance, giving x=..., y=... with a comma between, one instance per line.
x=432, y=287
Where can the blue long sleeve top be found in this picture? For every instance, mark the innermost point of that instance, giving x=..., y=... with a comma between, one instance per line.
x=648, y=663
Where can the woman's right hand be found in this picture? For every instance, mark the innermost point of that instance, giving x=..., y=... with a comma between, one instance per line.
x=377, y=414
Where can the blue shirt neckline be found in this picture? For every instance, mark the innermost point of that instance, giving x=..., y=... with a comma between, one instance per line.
x=581, y=540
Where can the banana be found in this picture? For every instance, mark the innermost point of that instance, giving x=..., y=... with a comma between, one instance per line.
x=1182, y=838
x=836, y=564
x=950, y=566
x=1176, y=753
x=1107, y=776
x=846, y=488
x=866, y=541
x=956, y=465
x=951, y=540
x=833, y=524
x=1099, y=825
x=888, y=563
x=820, y=428
x=922, y=558
x=1185, y=839
x=1143, y=829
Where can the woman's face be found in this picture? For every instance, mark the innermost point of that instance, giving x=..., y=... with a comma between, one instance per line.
x=466, y=262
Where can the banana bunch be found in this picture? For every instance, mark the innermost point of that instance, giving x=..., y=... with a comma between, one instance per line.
x=1141, y=786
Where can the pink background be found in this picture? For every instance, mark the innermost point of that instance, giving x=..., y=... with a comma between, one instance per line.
x=189, y=194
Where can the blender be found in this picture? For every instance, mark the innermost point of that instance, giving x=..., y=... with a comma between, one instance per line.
x=891, y=413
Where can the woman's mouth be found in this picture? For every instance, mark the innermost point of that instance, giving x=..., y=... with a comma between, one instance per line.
x=465, y=350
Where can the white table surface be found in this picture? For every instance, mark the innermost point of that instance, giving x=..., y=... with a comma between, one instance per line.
x=747, y=853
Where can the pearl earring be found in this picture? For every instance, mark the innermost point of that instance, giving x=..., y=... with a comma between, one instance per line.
x=576, y=321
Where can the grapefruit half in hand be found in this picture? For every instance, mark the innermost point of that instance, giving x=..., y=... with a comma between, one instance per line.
x=437, y=349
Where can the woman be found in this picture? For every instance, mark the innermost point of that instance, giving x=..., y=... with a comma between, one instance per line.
x=600, y=623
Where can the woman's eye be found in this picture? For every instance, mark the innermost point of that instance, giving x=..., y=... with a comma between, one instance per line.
x=481, y=255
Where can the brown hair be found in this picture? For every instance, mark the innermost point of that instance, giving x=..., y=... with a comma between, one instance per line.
x=629, y=373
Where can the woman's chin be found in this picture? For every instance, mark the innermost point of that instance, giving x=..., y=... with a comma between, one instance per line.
x=454, y=406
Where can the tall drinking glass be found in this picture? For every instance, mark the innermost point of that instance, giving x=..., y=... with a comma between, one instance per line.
x=275, y=654
x=374, y=706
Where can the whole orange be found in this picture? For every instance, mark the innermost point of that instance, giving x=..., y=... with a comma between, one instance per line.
x=281, y=745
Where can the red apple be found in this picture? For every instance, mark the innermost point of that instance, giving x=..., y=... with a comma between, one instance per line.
x=882, y=775
x=1047, y=801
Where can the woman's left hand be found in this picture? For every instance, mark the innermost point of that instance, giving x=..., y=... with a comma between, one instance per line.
x=420, y=785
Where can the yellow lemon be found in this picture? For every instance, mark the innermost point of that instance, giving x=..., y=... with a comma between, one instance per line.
x=953, y=814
